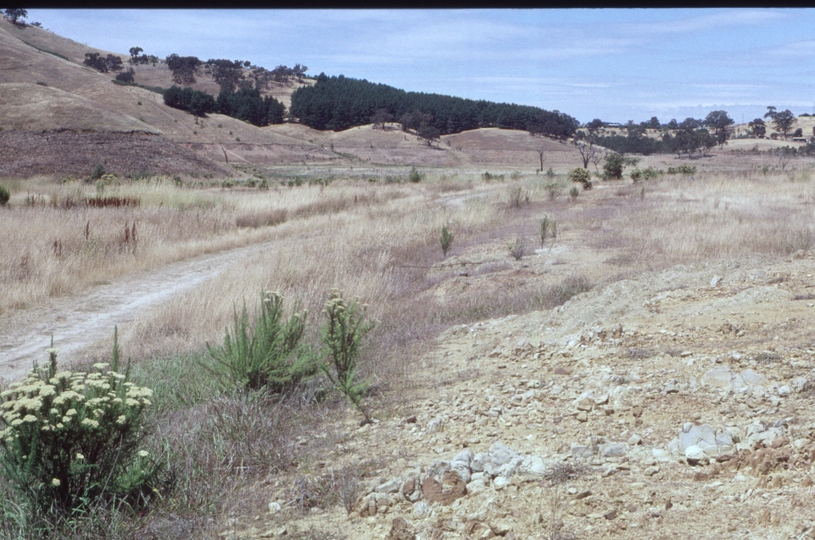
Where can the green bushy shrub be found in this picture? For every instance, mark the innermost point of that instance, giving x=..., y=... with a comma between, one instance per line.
x=582, y=176
x=70, y=440
x=682, y=169
x=4, y=196
x=266, y=353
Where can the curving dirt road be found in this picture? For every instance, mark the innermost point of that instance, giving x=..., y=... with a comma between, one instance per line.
x=78, y=321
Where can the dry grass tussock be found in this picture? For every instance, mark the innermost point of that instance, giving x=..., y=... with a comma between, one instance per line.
x=51, y=248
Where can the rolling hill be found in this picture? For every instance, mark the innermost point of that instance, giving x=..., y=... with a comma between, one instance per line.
x=64, y=118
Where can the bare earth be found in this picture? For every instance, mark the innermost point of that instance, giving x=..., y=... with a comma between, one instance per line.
x=618, y=382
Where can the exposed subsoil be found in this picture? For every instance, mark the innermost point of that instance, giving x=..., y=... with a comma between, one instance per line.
x=67, y=152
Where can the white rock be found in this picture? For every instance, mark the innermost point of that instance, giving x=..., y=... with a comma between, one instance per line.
x=694, y=455
x=500, y=482
x=610, y=450
x=391, y=486
x=661, y=455
x=532, y=466
x=274, y=507
x=784, y=391
x=422, y=509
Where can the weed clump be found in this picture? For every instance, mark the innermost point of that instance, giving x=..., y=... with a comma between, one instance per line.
x=71, y=439
x=517, y=249
x=342, y=336
x=446, y=240
x=4, y=196
x=548, y=229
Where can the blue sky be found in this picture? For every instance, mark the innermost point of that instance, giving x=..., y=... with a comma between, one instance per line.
x=612, y=64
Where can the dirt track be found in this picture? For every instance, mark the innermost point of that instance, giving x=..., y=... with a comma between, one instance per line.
x=79, y=321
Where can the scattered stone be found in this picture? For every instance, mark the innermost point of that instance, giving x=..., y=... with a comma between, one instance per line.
x=715, y=281
x=585, y=404
x=422, y=509
x=274, y=507
x=500, y=482
x=703, y=436
x=450, y=488
x=651, y=471
x=391, y=486
x=611, y=450
x=582, y=416
x=401, y=530
x=784, y=391
x=695, y=455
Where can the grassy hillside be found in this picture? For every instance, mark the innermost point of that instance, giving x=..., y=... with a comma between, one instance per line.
x=63, y=94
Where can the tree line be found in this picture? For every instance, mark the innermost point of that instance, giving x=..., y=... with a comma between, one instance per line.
x=244, y=104
x=338, y=103
x=688, y=137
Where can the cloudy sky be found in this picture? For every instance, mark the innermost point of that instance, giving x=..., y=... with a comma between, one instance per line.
x=612, y=64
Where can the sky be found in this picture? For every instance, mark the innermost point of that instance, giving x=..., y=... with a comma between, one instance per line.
x=612, y=64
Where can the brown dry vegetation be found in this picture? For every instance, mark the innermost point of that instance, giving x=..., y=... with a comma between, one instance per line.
x=358, y=226
x=378, y=241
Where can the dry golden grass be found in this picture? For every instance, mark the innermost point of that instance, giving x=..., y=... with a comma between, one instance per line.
x=55, y=250
x=714, y=217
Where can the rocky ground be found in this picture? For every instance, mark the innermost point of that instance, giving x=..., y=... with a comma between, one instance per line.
x=678, y=403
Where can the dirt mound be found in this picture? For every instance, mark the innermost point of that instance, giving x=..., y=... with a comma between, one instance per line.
x=26, y=153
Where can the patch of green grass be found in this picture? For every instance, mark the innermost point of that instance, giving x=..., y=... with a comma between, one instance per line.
x=47, y=51
x=179, y=382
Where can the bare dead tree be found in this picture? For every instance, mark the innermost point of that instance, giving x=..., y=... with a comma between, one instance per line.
x=587, y=148
x=541, y=155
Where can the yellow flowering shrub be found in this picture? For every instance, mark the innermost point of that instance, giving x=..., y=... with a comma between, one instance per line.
x=70, y=438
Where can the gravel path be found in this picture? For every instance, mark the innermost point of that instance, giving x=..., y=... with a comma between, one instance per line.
x=77, y=322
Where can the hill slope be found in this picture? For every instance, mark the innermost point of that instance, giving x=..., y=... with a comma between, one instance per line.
x=93, y=119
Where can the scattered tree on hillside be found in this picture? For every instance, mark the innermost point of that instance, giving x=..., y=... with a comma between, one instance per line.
x=783, y=121
x=136, y=59
x=13, y=14
x=635, y=131
x=720, y=122
x=110, y=63
x=595, y=125
x=184, y=68
x=673, y=124
x=759, y=128
x=127, y=76
x=428, y=133
x=226, y=73
x=380, y=117
x=653, y=123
